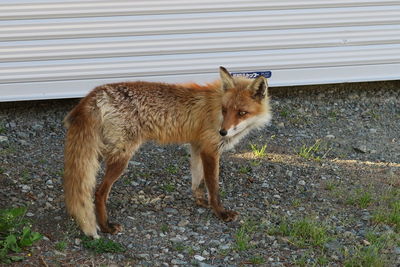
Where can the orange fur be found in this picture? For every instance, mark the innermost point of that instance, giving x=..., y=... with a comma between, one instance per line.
x=113, y=120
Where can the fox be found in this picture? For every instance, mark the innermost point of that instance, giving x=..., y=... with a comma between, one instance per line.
x=113, y=120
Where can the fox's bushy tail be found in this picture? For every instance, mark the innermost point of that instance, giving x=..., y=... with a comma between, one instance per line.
x=81, y=163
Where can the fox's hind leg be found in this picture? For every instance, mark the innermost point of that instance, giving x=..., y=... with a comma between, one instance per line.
x=115, y=165
x=196, y=168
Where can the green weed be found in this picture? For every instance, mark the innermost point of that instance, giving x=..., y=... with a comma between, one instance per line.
x=244, y=235
x=372, y=254
x=258, y=152
x=244, y=169
x=389, y=211
x=361, y=198
x=102, y=245
x=169, y=187
x=309, y=152
x=257, y=260
x=15, y=234
x=302, y=233
x=172, y=169
x=61, y=245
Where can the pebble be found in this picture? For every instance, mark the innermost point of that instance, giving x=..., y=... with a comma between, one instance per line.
x=199, y=258
x=330, y=136
x=302, y=182
x=178, y=262
x=30, y=214
x=3, y=139
x=183, y=223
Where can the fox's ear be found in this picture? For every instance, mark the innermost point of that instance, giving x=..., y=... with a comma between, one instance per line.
x=226, y=79
x=259, y=88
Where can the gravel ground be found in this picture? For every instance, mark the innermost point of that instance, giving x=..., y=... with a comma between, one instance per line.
x=340, y=185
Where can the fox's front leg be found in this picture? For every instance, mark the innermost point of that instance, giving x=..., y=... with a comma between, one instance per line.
x=196, y=168
x=211, y=176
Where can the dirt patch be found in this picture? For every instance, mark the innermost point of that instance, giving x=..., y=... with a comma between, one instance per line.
x=331, y=165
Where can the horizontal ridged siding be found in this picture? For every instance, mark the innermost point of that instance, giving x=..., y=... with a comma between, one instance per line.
x=81, y=43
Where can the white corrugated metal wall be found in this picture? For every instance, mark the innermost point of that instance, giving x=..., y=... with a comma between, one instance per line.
x=61, y=49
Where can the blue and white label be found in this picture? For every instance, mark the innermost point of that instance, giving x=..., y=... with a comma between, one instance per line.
x=252, y=75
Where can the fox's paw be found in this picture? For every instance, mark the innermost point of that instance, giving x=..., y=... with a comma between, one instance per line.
x=112, y=228
x=202, y=202
x=228, y=215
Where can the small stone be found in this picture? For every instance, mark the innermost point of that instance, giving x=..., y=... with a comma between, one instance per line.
x=30, y=214
x=397, y=250
x=26, y=188
x=281, y=125
x=183, y=223
x=171, y=210
x=330, y=136
x=199, y=258
x=77, y=241
x=265, y=185
x=360, y=148
x=37, y=127
x=225, y=247
x=302, y=182
x=3, y=139
x=277, y=196
x=178, y=262
x=372, y=130
x=144, y=256
x=205, y=253
x=49, y=182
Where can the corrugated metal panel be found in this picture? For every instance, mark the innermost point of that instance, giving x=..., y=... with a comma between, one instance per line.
x=56, y=49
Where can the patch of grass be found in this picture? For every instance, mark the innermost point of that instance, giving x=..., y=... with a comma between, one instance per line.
x=169, y=187
x=330, y=185
x=244, y=234
x=179, y=247
x=1, y=170
x=172, y=169
x=25, y=175
x=332, y=115
x=372, y=254
x=258, y=152
x=245, y=169
x=15, y=234
x=361, y=198
x=310, y=152
x=284, y=113
x=164, y=228
x=102, y=245
x=223, y=193
x=389, y=210
x=8, y=150
x=257, y=260
x=2, y=128
x=61, y=245
x=302, y=233
x=296, y=203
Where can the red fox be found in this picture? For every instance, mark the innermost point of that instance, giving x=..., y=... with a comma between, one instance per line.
x=113, y=120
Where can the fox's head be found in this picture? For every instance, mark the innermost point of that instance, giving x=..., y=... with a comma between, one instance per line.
x=245, y=104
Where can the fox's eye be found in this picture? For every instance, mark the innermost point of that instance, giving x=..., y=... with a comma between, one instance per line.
x=242, y=113
x=224, y=111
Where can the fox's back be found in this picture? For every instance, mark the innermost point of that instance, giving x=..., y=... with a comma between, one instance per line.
x=157, y=111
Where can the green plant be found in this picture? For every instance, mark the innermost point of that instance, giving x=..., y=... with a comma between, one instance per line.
x=2, y=128
x=258, y=152
x=302, y=233
x=244, y=169
x=164, y=228
x=244, y=235
x=172, y=169
x=309, y=152
x=102, y=245
x=61, y=245
x=15, y=234
x=169, y=187
x=257, y=260
x=361, y=199
x=372, y=254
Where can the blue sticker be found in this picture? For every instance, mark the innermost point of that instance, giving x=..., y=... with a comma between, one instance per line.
x=252, y=74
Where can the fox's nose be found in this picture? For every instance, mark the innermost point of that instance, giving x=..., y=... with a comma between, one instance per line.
x=223, y=132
